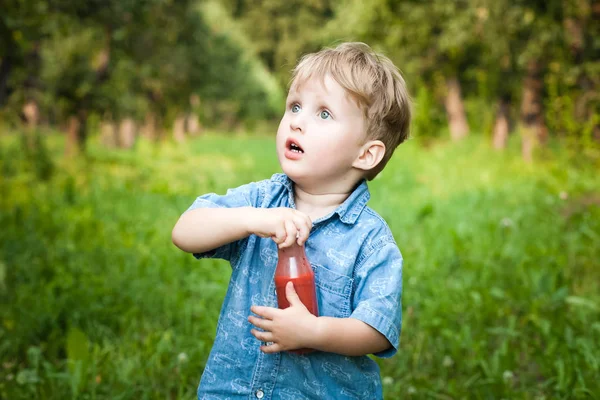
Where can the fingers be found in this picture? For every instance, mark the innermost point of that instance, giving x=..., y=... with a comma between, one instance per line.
x=285, y=226
x=272, y=348
x=291, y=233
x=297, y=229
x=280, y=234
x=262, y=336
x=292, y=296
x=265, y=312
x=267, y=337
x=304, y=226
x=261, y=323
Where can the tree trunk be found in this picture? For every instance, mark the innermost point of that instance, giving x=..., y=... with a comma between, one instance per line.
x=575, y=39
x=127, y=133
x=179, y=129
x=574, y=29
x=31, y=112
x=102, y=59
x=457, y=119
x=532, y=124
x=501, y=126
x=108, y=134
x=77, y=126
x=76, y=134
x=32, y=115
x=193, y=124
x=149, y=128
x=72, y=135
x=31, y=84
x=193, y=121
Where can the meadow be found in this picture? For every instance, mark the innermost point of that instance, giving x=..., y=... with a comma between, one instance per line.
x=501, y=276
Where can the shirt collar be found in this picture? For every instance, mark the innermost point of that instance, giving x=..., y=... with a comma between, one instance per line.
x=348, y=211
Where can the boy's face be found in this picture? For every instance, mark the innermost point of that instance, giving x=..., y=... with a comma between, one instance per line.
x=321, y=134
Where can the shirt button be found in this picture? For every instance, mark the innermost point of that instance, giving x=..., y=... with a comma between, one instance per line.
x=259, y=394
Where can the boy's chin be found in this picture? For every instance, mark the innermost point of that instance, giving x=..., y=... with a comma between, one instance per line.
x=294, y=174
x=290, y=173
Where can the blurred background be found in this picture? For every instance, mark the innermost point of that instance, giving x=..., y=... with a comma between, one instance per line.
x=115, y=115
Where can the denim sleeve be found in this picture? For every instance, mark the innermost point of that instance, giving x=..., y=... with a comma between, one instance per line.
x=378, y=291
x=248, y=195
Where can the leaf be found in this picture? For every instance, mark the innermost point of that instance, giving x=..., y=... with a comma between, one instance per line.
x=425, y=211
x=77, y=345
x=78, y=354
x=582, y=302
x=497, y=293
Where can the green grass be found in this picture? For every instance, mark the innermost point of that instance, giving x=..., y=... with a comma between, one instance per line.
x=501, y=279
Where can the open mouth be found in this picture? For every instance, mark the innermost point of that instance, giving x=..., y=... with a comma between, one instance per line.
x=294, y=147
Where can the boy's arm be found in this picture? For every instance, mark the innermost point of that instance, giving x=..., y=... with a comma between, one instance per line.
x=295, y=327
x=347, y=336
x=372, y=327
x=205, y=229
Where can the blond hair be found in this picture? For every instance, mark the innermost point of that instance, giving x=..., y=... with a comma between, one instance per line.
x=375, y=84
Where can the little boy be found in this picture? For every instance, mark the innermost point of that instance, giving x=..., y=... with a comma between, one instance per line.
x=347, y=110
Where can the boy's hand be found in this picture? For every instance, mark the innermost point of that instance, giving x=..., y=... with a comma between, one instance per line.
x=284, y=225
x=287, y=329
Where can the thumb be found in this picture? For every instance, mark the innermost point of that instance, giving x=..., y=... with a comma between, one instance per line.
x=291, y=295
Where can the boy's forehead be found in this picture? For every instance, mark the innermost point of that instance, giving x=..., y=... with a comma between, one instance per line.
x=322, y=81
x=306, y=79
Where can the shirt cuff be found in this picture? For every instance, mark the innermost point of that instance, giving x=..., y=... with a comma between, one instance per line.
x=383, y=325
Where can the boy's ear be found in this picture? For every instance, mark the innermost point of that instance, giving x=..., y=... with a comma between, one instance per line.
x=371, y=154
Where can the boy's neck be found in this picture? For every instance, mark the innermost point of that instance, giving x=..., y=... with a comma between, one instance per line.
x=317, y=205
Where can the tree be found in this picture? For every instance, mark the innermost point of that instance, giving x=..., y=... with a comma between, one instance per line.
x=22, y=27
x=281, y=31
x=430, y=40
x=572, y=79
x=124, y=62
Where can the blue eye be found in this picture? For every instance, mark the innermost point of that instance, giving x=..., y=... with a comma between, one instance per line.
x=325, y=114
x=295, y=108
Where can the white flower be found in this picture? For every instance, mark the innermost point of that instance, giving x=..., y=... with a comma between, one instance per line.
x=506, y=222
x=411, y=390
x=508, y=376
x=563, y=195
x=448, y=362
x=182, y=358
x=388, y=380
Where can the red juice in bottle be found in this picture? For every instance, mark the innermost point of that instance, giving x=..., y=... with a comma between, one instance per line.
x=293, y=266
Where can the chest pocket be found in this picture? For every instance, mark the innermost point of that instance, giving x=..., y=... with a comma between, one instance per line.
x=333, y=292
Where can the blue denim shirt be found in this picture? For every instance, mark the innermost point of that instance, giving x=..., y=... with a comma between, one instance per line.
x=358, y=274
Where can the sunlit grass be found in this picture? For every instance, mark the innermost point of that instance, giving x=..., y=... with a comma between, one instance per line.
x=501, y=279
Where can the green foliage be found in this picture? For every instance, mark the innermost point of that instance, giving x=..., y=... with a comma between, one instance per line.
x=428, y=118
x=570, y=112
x=501, y=290
x=152, y=60
x=282, y=31
x=487, y=45
x=36, y=155
x=78, y=356
x=218, y=18
x=126, y=59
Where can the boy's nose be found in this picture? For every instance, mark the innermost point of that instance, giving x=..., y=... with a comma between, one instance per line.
x=296, y=123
